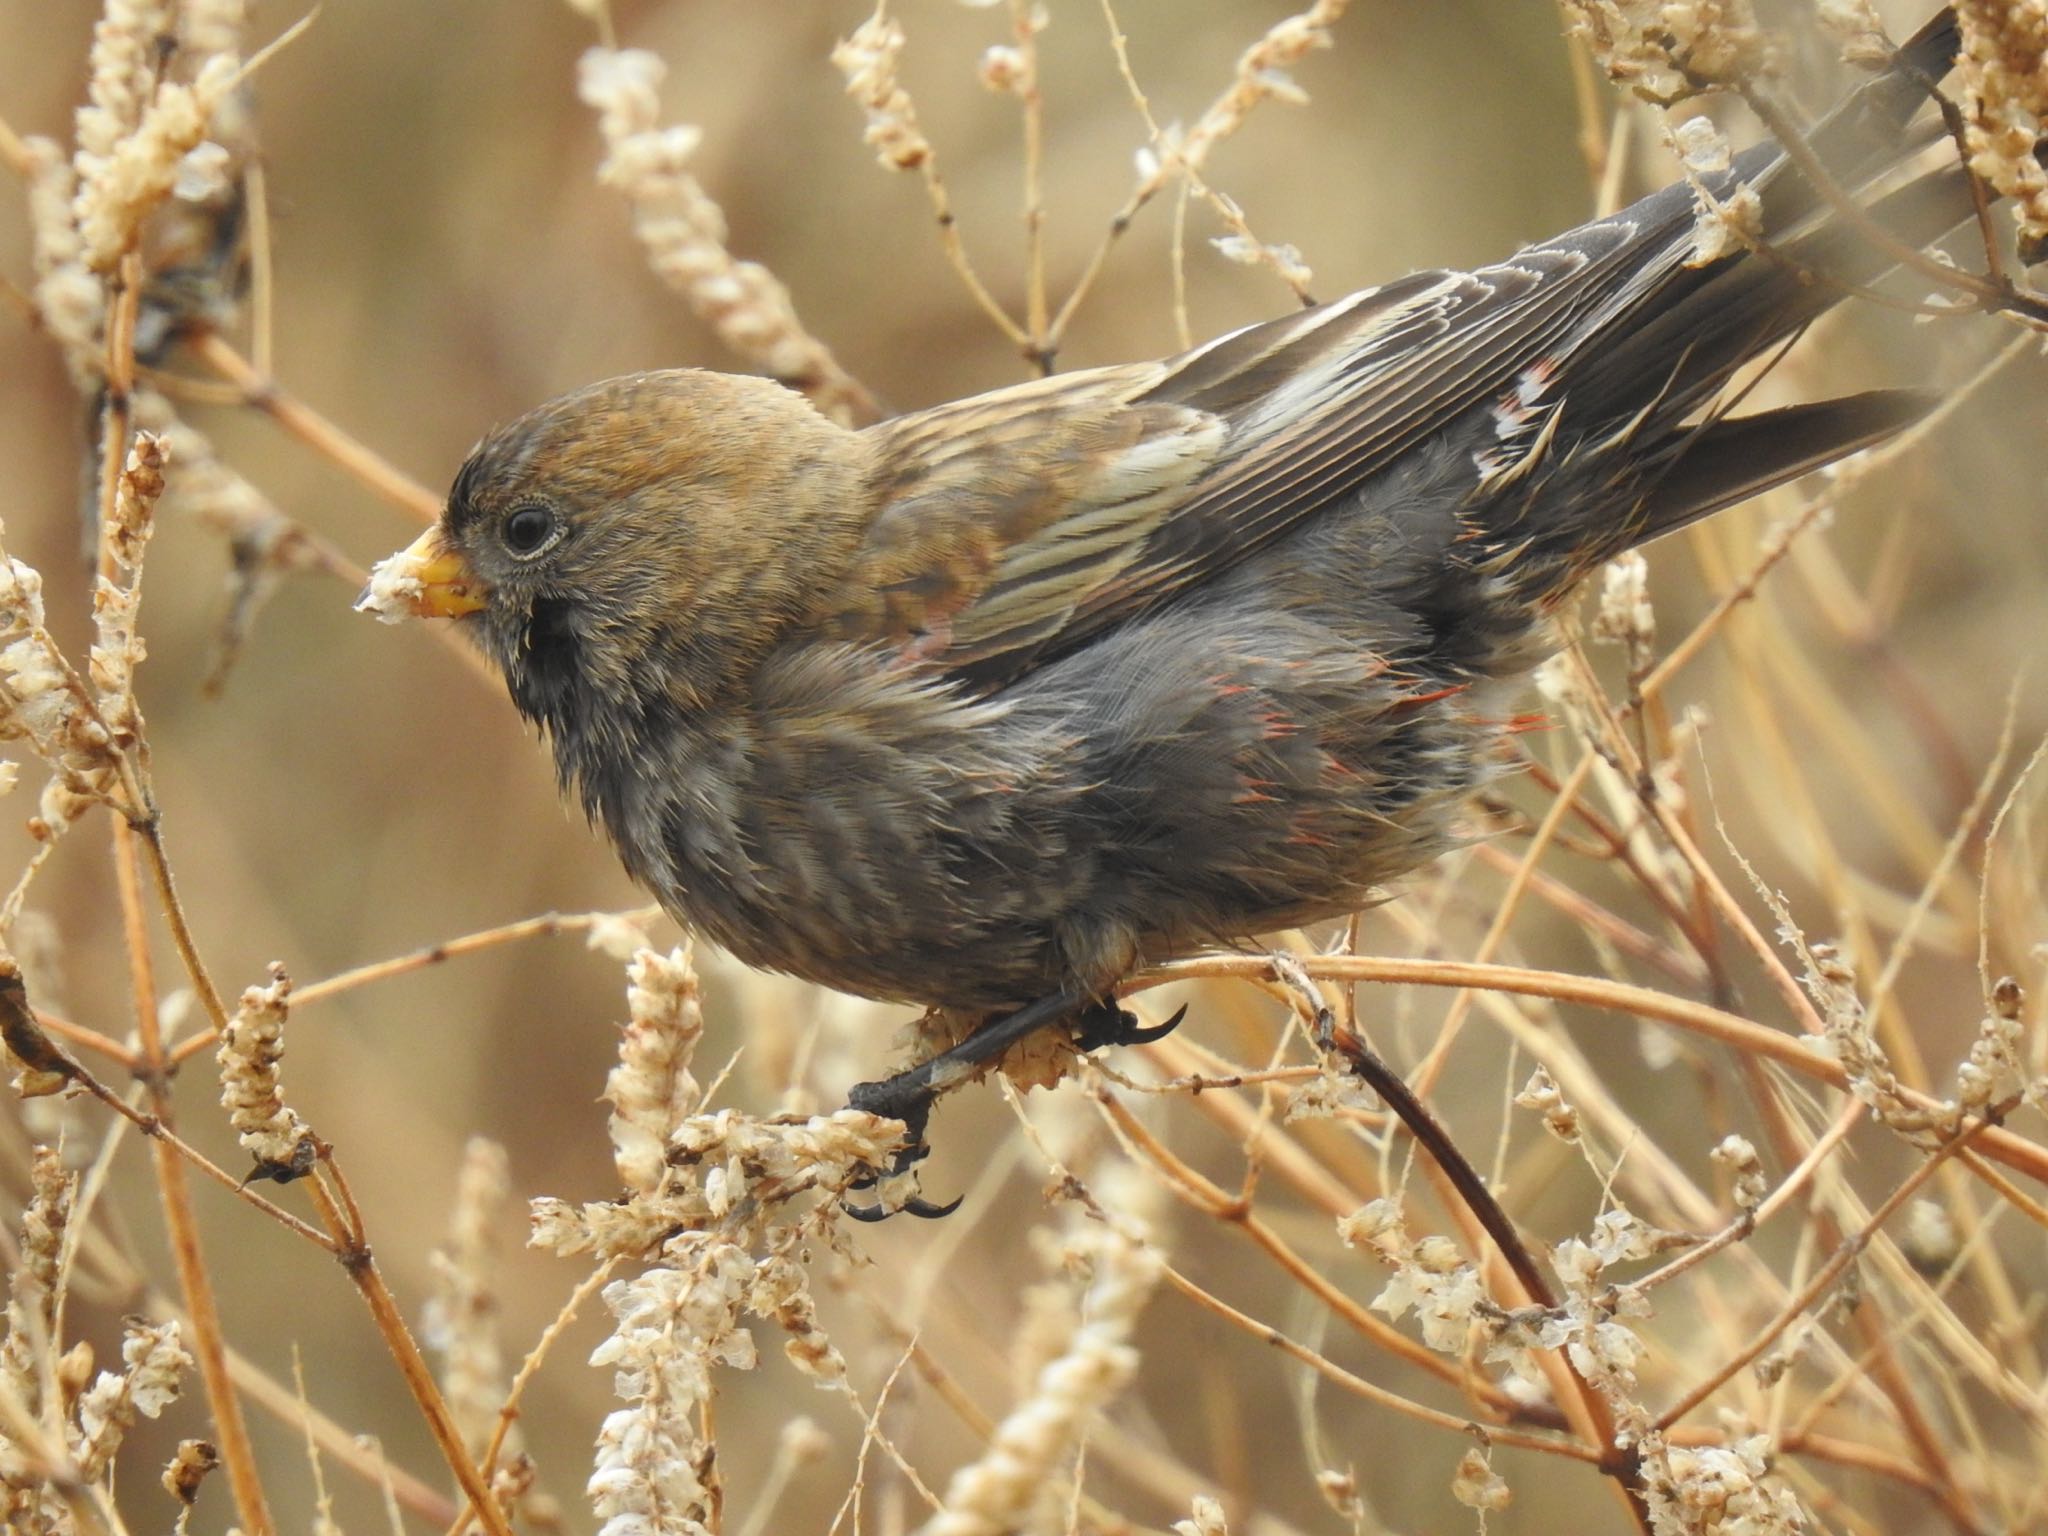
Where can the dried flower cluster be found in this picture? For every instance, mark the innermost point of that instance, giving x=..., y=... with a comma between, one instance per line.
x=156, y=1364
x=1449, y=1299
x=2002, y=80
x=715, y=1210
x=1542, y=1095
x=1477, y=1486
x=1991, y=1078
x=1205, y=1518
x=60, y=1426
x=88, y=733
x=461, y=1321
x=1720, y=1491
x=250, y=1049
x=651, y=1090
x=869, y=58
x=33, y=1288
x=1749, y=1182
x=161, y=96
x=1015, y=1483
x=684, y=233
x=1667, y=50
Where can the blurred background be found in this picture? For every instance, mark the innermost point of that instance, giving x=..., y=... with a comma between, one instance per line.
x=444, y=258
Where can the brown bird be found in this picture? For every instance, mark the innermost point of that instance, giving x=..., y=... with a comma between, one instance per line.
x=984, y=706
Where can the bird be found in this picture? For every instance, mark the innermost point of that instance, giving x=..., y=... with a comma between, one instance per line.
x=985, y=706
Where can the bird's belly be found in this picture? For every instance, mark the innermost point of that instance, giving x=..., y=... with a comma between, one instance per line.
x=1150, y=796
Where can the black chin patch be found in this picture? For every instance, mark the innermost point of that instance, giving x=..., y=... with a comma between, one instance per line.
x=544, y=674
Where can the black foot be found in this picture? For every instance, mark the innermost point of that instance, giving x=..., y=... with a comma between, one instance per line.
x=906, y=1097
x=1104, y=1023
x=909, y=1095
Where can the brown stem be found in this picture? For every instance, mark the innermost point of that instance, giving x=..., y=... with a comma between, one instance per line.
x=342, y=1220
x=231, y=1430
x=375, y=472
x=152, y=835
x=1730, y=1029
x=1824, y=1277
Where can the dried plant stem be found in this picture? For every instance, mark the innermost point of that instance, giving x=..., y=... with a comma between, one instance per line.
x=2027, y=1205
x=1432, y=1065
x=1682, y=966
x=1886, y=1373
x=262, y=281
x=545, y=925
x=262, y=393
x=1584, y=1408
x=955, y=251
x=174, y=1193
x=87, y=1038
x=508, y=1414
x=1993, y=293
x=154, y=1126
x=195, y=1280
x=13, y=153
x=344, y=1224
x=1372, y=1392
x=1824, y=1277
x=1183, y=160
x=1024, y=28
x=1590, y=101
x=1202, y=1194
x=364, y=1460
x=1236, y=1119
x=1858, y=469
x=1743, y=1035
x=180, y=926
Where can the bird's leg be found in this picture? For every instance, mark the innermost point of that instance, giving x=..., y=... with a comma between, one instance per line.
x=910, y=1094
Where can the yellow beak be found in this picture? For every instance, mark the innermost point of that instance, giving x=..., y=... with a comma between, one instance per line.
x=425, y=580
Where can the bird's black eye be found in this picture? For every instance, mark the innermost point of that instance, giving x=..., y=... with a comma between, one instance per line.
x=529, y=529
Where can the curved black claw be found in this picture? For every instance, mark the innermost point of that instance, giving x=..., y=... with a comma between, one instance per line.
x=1106, y=1024
x=916, y=1206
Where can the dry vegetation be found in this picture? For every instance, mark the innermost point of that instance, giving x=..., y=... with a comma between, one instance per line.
x=1726, y=1209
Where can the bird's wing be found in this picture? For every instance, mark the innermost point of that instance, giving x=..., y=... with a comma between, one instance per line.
x=1013, y=525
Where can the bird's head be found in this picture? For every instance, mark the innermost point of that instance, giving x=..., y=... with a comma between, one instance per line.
x=635, y=544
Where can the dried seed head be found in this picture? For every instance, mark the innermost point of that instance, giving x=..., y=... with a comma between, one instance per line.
x=250, y=1049
x=684, y=233
x=1667, y=50
x=1725, y=225
x=1739, y=1157
x=1005, y=70
x=869, y=60
x=188, y=1468
x=1478, y=1486
x=1542, y=1094
x=1929, y=1238
x=156, y=1363
x=117, y=192
x=2002, y=81
x=651, y=1089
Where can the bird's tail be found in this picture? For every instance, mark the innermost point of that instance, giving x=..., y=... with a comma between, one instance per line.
x=1644, y=398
